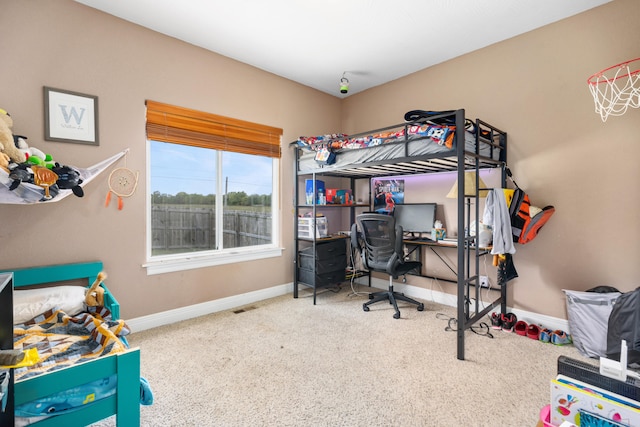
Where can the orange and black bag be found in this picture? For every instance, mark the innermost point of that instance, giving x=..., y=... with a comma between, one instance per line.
x=524, y=227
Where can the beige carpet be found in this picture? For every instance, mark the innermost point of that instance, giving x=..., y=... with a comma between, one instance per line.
x=286, y=362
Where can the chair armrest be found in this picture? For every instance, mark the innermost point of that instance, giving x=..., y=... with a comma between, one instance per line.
x=399, y=248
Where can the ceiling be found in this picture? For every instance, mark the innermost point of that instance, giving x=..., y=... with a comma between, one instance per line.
x=316, y=42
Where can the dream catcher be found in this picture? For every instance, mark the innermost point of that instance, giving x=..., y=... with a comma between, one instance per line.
x=122, y=183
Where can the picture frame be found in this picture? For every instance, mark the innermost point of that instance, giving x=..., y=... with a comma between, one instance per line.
x=70, y=117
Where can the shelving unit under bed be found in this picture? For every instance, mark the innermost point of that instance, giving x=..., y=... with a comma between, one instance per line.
x=419, y=146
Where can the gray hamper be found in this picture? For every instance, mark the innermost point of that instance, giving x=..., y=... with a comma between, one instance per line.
x=588, y=314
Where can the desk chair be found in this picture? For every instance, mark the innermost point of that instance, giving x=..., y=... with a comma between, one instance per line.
x=383, y=252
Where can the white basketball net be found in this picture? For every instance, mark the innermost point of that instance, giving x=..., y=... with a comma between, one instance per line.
x=615, y=89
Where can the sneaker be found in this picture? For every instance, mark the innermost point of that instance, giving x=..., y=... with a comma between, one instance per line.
x=521, y=328
x=559, y=337
x=496, y=323
x=533, y=332
x=545, y=335
x=508, y=321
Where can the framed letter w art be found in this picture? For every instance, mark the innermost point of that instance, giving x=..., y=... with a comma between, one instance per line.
x=70, y=117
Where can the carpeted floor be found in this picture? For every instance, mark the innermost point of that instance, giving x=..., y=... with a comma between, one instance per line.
x=286, y=362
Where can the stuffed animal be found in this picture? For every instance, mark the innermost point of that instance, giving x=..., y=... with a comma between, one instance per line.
x=68, y=179
x=7, y=144
x=34, y=155
x=4, y=162
x=95, y=294
x=30, y=174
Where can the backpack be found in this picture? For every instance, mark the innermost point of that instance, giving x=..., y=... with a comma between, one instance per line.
x=524, y=227
x=624, y=324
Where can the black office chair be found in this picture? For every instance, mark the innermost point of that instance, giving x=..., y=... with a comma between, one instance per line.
x=383, y=252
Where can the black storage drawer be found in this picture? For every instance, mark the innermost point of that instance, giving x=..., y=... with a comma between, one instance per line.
x=327, y=250
x=323, y=265
x=324, y=279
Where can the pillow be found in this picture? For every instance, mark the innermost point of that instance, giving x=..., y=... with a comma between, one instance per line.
x=29, y=303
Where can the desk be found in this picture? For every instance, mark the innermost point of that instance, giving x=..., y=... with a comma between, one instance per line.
x=416, y=245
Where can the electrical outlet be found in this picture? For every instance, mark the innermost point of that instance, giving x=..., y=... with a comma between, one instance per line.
x=484, y=282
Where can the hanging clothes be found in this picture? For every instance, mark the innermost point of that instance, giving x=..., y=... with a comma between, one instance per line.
x=496, y=215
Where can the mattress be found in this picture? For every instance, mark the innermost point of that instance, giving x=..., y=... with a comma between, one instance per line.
x=394, y=150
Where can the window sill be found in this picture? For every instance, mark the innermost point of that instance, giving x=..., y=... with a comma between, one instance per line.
x=189, y=262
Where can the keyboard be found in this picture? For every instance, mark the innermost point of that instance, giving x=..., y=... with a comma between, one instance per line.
x=418, y=239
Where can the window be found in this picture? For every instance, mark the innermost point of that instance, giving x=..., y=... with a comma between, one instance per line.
x=213, y=189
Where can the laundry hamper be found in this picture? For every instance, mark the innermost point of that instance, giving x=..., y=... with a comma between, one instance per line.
x=588, y=314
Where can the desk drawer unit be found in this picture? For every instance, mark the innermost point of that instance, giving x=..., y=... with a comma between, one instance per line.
x=323, y=265
x=327, y=267
x=327, y=250
x=323, y=279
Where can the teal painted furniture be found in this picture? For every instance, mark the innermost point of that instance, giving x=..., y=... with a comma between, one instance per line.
x=125, y=404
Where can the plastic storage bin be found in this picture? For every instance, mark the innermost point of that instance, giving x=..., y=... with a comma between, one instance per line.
x=306, y=226
x=545, y=416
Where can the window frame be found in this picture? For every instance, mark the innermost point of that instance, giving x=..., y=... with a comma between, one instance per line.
x=161, y=264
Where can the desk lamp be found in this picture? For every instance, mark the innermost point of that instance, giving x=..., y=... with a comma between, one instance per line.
x=469, y=187
x=470, y=190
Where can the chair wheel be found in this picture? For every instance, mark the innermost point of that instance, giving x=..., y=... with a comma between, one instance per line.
x=396, y=315
x=365, y=307
x=421, y=307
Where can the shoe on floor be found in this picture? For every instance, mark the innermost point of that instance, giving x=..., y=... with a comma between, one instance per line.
x=559, y=337
x=508, y=321
x=545, y=335
x=533, y=332
x=521, y=327
x=496, y=323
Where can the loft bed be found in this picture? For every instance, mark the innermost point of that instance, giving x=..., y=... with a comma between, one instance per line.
x=100, y=379
x=427, y=142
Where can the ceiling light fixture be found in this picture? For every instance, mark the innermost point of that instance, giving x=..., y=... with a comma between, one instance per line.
x=344, y=84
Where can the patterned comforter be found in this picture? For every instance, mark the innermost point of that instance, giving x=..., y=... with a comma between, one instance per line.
x=63, y=340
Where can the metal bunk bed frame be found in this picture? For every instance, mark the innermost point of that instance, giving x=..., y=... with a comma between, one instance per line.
x=468, y=254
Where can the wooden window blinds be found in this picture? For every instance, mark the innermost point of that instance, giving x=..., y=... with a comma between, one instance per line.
x=169, y=123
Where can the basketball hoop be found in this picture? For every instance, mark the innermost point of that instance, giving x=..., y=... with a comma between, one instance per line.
x=616, y=88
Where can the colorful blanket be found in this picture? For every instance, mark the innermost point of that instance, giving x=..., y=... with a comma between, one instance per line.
x=63, y=340
x=441, y=135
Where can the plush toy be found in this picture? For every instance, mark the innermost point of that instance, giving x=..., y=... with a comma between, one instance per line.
x=45, y=178
x=4, y=162
x=95, y=294
x=7, y=144
x=34, y=155
x=37, y=175
x=68, y=179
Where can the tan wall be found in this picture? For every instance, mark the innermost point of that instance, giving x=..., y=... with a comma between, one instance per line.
x=532, y=86
x=67, y=45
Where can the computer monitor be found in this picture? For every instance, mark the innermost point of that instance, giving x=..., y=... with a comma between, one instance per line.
x=415, y=217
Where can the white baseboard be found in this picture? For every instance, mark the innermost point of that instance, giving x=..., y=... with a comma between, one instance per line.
x=530, y=317
x=196, y=310
x=184, y=313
